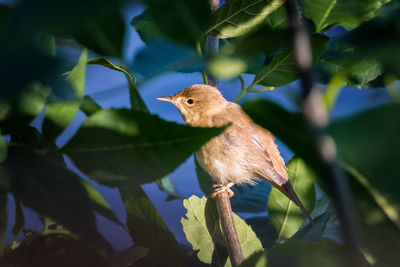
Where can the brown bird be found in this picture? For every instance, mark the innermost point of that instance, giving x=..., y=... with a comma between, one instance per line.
x=243, y=153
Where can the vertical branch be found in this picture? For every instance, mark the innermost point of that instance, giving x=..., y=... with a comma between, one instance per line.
x=223, y=202
x=324, y=146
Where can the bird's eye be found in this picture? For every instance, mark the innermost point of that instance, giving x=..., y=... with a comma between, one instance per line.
x=190, y=101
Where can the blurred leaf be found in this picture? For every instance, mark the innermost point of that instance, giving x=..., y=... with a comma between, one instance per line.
x=204, y=179
x=59, y=114
x=3, y=217
x=341, y=59
x=325, y=224
x=264, y=230
x=282, y=68
x=120, y=147
x=372, y=133
x=285, y=216
x=19, y=220
x=3, y=149
x=99, y=204
x=48, y=192
x=332, y=91
x=203, y=231
x=56, y=248
x=146, y=27
x=89, y=106
x=237, y=17
x=158, y=57
x=128, y=256
x=147, y=229
x=166, y=186
x=137, y=102
x=182, y=21
x=303, y=254
x=227, y=67
x=349, y=14
x=257, y=259
x=251, y=198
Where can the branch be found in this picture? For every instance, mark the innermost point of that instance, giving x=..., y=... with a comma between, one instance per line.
x=324, y=146
x=223, y=203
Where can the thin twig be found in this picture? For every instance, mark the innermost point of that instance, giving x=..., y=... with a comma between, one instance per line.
x=324, y=146
x=223, y=202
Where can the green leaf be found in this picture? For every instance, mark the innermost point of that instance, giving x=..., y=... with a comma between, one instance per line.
x=305, y=254
x=371, y=133
x=123, y=147
x=19, y=220
x=264, y=230
x=3, y=217
x=3, y=149
x=204, y=179
x=59, y=114
x=237, y=17
x=325, y=224
x=282, y=68
x=99, y=204
x=146, y=27
x=48, y=192
x=165, y=185
x=137, y=102
x=285, y=216
x=226, y=67
x=185, y=20
x=128, y=256
x=147, y=229
x=257, y=259
x=349, y=14
x=203, y=231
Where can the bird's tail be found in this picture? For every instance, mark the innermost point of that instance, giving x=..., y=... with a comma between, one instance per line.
x=288, y=190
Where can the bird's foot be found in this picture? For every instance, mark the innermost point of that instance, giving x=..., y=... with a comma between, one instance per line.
x=221, y=188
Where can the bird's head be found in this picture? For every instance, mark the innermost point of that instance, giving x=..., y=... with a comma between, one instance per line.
x=197, y=103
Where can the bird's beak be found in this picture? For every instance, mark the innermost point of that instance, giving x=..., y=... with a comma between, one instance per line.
x=166, y=99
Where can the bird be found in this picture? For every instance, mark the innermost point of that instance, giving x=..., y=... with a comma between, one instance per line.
x=244, y=153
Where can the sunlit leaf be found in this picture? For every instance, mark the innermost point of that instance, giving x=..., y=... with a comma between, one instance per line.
x=59, y=114
x=257, y=259
x=237, y=17
x=125, y=147
x=203, y=231
x=284, y=215
x=349, y=14
x=137, y=102
x=165, y=184
x=147, y=229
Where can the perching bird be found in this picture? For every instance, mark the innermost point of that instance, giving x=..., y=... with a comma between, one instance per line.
x=243, y=153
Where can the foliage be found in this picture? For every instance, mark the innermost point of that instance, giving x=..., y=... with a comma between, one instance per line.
x=126, y=148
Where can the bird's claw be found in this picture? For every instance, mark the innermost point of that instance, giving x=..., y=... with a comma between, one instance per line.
x=221, y=188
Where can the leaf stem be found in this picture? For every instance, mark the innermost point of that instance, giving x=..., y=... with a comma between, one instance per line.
x=203, y=72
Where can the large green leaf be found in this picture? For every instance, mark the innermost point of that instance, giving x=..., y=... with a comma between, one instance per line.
x=349, y=14
x=183, y=21
x=59, y=114
x=203, y=231
x=264, y=230
x=137, y=102
x=284, y=215
x=368, y=142
x=146, y=27
x=282, y=68
x=237, y=17
x=125, y=147
x=147, y=229
x=45, y=185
